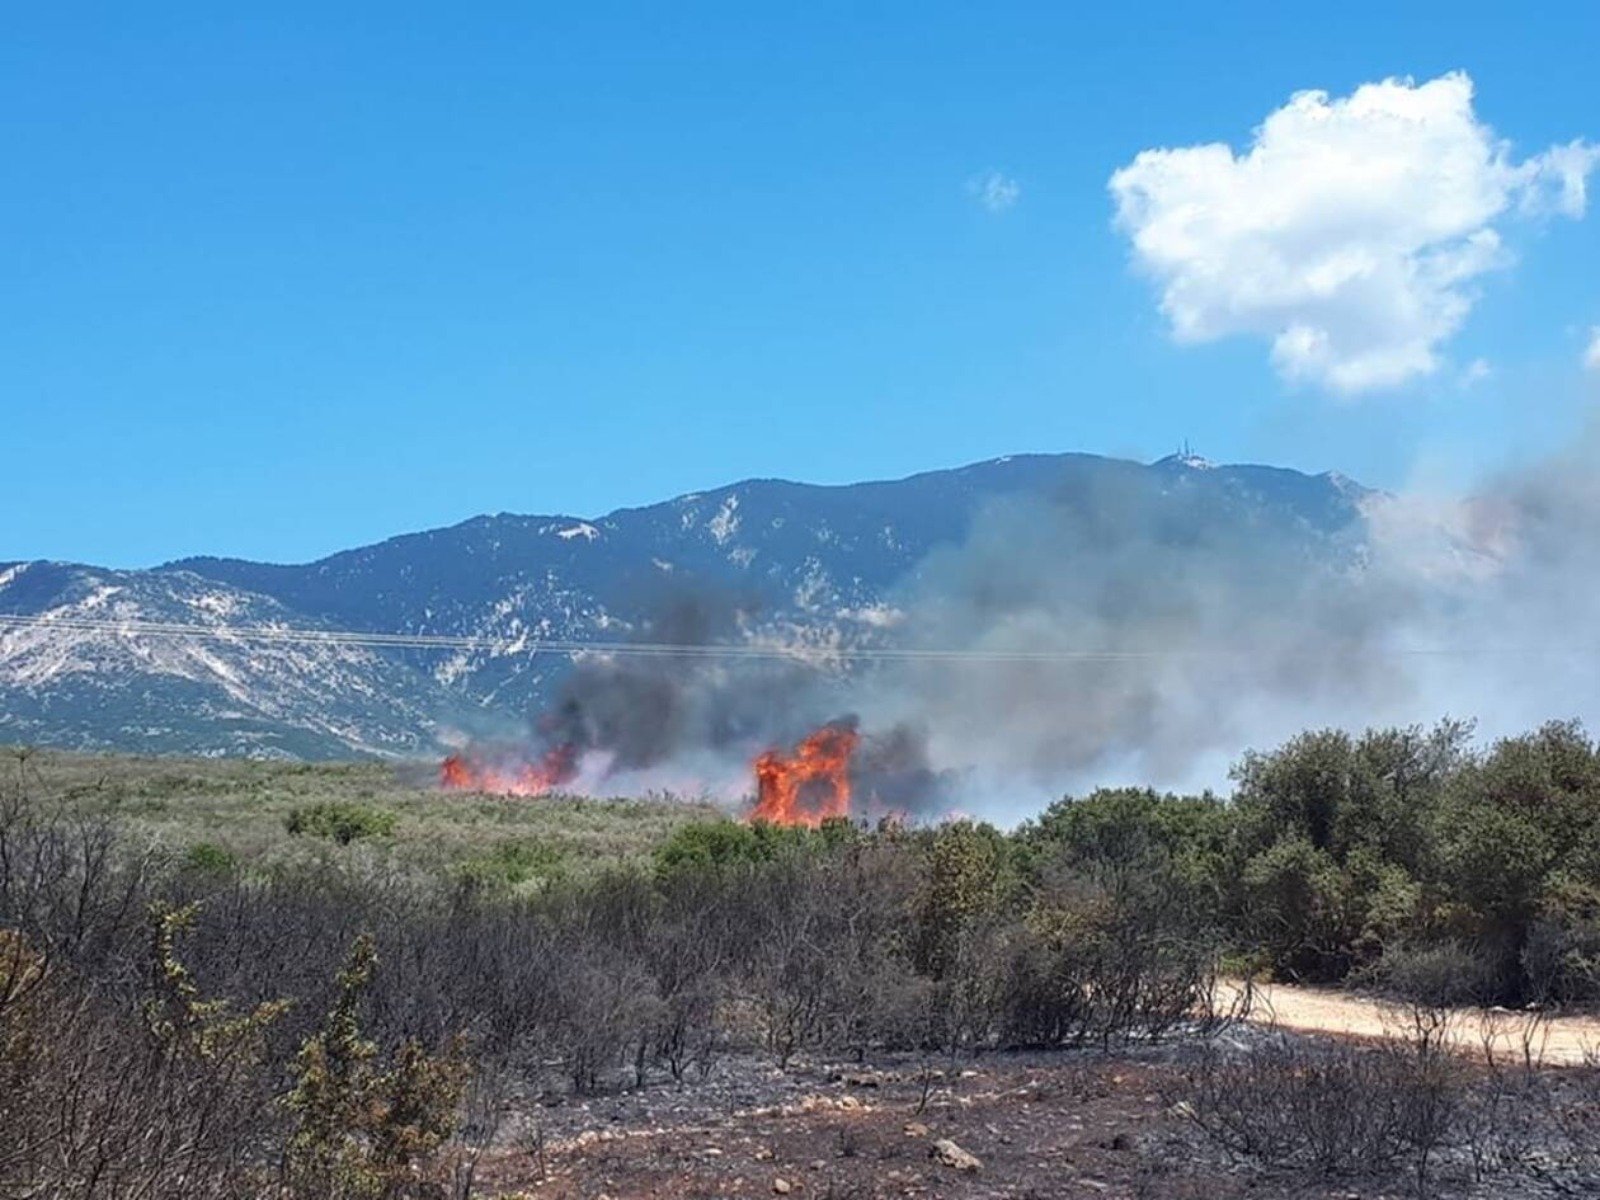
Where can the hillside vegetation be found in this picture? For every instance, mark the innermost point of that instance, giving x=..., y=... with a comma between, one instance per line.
x=262, y=817
x=319, y=981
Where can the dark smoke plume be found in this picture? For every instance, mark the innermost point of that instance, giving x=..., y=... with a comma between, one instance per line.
x=630, y=716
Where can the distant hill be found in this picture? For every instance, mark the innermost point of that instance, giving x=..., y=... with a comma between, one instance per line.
x=796, y=559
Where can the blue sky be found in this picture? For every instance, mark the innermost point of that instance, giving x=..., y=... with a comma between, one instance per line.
x=283, y=283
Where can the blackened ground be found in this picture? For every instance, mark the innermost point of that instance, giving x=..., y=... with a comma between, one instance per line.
x=1042, y=1126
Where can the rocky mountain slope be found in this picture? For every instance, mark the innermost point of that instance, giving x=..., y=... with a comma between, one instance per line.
x=761, y=557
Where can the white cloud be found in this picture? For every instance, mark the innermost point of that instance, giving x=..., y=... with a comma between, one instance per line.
x=996, y=192
x=1557, y=181
x=1349, y=234
x=1591, y=356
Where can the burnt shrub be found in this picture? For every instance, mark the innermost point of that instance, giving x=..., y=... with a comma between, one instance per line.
x=1560, y=959
x=1329, y=1108
x=1103, y=956
x=1443, y=975
x=167, y=1095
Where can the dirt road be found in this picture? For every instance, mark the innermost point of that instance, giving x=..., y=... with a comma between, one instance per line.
x=1558, y=1041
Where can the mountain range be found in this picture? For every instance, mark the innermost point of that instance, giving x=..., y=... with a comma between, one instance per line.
x=795, y=562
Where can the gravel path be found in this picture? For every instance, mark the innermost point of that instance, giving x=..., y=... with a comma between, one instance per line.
x=1553, y=1040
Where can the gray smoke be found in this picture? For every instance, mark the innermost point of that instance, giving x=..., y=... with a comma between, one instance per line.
x=693, y=722
x=1149, y=632
x=643, y=711
x=1222, y=630
x=1118, y=633
x=1509, y=584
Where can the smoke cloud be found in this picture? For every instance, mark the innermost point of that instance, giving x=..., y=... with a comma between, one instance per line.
x=1220, y=634
x=1150, y=632
x=1114, y=632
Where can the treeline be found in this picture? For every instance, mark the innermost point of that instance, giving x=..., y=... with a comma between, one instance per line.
x=1400, y=859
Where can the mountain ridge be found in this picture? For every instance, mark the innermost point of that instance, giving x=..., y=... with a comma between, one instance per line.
x=796, y=560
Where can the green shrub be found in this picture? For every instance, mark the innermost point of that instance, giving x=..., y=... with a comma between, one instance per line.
x=511, y=864
x=340, y=822
x=363, y=1132
x=208, y=858
x=1296, y=910
x=727, y=843
x=1134, y=828
x=965, y=878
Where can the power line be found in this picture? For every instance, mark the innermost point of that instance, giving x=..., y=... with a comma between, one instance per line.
x=530, y=645
x=283, y=634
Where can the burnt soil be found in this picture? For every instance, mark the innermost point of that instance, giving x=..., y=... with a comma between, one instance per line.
x=1046, y=1125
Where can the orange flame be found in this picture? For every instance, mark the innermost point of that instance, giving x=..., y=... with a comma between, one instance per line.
x=460, y=773
x=810, y=786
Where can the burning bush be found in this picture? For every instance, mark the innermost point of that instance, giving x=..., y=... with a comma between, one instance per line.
x=507, y=774
x=810, y=786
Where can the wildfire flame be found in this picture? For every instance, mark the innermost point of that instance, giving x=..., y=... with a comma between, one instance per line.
x=461, y=773
x=810, y=786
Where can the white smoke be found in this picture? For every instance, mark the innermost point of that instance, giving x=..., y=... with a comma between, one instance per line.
x=1156, y=641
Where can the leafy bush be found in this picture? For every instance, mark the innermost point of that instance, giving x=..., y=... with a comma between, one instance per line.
x=361, y=1131
x=208, y=858
x=720, y=844
x=512, y=864
x=340, y=821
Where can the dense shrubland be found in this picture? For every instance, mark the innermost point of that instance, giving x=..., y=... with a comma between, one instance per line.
x=1404, y=860
x=335, y=1027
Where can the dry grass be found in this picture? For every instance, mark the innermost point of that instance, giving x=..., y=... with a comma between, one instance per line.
x=240, y=808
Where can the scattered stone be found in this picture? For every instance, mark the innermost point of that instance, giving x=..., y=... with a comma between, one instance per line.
x=951, y=1155
x=781, y=1186
x=916, y=1129
x=863, y=1079
x=849, y=1102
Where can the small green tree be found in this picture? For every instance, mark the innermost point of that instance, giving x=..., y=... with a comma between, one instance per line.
x=967, y=877
x=361, y=1130
x=178, y=1019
